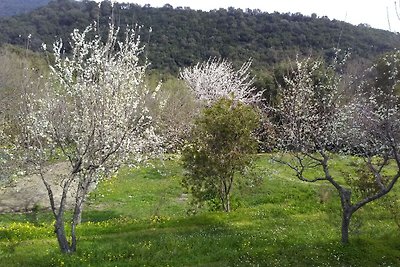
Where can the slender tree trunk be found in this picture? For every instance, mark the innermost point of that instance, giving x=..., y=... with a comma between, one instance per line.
x=59, y=225
x=347, y=212
x=228, y=203
x=76, y=220
x=73, y=237
x=224, y=195
x=79, y=201
x=59, y=229
x=79, y=218
x=226, y=185
x=346, y=216
x=80, y=198
x=223, y=201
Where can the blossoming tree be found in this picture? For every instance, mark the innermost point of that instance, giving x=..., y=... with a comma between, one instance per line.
x=217, y=78
x=315, y=120
x=93, y=113
x=19, y=74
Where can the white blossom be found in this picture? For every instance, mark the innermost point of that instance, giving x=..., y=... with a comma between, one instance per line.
x=93, y=110
x=308, y=106
x=316, y=119
x=217, y=78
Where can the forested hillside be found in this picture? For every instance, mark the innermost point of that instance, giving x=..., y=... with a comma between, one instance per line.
x=181, y=36
x=14, y=7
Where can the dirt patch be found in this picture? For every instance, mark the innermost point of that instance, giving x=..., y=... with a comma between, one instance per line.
x=26, y=192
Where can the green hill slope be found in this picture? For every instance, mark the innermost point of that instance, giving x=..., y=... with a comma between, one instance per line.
x=182, y=36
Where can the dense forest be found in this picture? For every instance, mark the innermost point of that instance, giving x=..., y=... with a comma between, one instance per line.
x=14, y=7
x=181, y=36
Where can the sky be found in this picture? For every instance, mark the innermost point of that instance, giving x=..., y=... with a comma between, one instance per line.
x=376, y=13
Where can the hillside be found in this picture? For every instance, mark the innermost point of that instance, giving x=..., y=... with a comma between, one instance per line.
x=14, y=7
x=182, y=36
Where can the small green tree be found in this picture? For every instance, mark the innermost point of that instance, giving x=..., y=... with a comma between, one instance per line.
x=222, y=144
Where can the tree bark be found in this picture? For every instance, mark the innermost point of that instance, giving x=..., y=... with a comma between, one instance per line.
x=59, y=229
x=346, y=216
x=59, y=225
x=224, y=196
x=82, y=191
x=347, y=212
x=77, y=217
x=79, y=201
x=73, y=237
x=228, y=203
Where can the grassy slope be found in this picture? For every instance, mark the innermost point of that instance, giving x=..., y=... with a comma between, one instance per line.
x=138, y=218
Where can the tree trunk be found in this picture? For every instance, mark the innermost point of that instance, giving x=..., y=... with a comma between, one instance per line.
x=77, y=217
x=226, y=185
x=228, y=203
x=347, y=212
x=59, y=229
x=73, y=237
x=80, y=198
x=346, y=216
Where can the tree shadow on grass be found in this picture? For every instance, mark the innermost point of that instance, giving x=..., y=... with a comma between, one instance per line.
x=98, y=215
x=329, y=252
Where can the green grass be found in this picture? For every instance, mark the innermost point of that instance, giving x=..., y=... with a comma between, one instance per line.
x=138, y=218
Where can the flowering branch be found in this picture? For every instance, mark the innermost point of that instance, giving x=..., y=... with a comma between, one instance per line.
x=94, y=111
x=217, y=78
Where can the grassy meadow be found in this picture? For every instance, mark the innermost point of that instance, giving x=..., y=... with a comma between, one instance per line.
x=140, y=218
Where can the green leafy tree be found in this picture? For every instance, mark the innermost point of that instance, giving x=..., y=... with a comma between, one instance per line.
x=222, y=144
